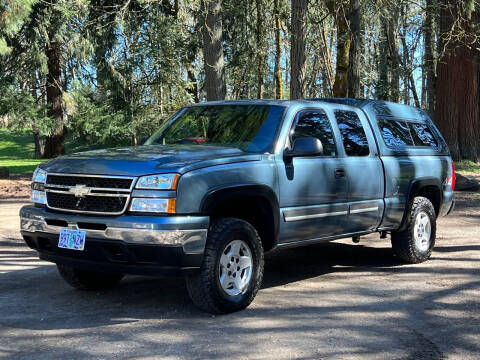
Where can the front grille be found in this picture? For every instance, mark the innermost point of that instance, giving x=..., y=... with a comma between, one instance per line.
x=100, y=204
x=88, y=194
x=89, y=181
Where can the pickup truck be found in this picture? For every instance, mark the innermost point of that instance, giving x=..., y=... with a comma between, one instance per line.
x=220, y=183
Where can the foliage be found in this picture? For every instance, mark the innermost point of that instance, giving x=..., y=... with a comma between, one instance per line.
x=20, y=110
x=14, y=13
x=127, y=65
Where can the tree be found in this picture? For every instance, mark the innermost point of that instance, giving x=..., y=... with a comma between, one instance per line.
x=213, y=50
x=339, y=10
x=297, y=49
x=55, y=142
x=429, y=62
x=388, y=87
x=260, y=37
x=457, y=90
x=355, y=51
x=278, y=51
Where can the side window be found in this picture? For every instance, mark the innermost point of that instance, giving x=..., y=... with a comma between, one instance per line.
x=353, y=136
x=399, y=134
x=316, y=124
x=422, y=135
x=396, y=134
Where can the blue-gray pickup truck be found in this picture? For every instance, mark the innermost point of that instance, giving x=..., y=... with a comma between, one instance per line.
x=220, y=183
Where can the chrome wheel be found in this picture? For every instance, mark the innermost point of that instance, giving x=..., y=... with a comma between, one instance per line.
x=235, y=268
x=422, y=231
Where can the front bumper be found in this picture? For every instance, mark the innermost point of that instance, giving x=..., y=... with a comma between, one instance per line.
x=145, y=245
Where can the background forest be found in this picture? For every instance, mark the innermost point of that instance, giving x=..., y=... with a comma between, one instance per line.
x=108, y=72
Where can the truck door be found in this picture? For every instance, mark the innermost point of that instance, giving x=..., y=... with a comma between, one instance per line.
x=363, y=170
x=313, y=189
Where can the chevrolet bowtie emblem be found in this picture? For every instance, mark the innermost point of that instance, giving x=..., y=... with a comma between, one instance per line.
x=80, y=190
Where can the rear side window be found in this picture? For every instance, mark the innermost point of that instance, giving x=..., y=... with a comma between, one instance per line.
x=399, y=134
x=316, y=124
x=353, y=136
x=396, y=134
x=422, y=135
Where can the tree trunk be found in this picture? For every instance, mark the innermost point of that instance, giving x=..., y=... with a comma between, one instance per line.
x=213, y=50
x=429, y=65
x=297, y=49
x=278, y=52
x=328, y=77
x=382, y=89
x=38, y=139
x=339, y=10
x=55, y=143
x=260, y=49
x=39, y=142
x=394, y=63
x=457, y=91
x=356, y=47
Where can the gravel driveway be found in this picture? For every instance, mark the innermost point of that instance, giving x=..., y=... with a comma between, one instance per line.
x=335, y=300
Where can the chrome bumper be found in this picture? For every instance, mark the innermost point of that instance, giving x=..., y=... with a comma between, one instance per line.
x=190, y=232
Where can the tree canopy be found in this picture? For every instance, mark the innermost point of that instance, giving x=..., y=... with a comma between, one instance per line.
x=110, y=72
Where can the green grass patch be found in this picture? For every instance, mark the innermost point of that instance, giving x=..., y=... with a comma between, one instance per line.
x=467, y=166
x=17, y=151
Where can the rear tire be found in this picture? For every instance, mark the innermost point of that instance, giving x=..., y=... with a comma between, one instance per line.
x=88, y=280
x=232, y=270
x=414, y=245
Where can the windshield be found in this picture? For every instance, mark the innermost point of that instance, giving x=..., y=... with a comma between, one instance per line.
x=251, y=128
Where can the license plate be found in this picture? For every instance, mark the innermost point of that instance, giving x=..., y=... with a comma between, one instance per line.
x=71, y=239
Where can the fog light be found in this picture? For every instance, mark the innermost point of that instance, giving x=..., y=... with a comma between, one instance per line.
x=153, y=205
x=38, y=197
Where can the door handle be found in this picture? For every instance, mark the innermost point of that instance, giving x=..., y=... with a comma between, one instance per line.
x=339, y=173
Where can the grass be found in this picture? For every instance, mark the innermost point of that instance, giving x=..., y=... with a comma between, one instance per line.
x=17, y=151
x=467, y=166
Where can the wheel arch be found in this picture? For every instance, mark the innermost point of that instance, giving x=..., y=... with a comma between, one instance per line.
x=254, y=203
x=428, y=187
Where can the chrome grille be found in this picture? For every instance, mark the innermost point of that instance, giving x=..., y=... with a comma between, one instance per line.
x=94, y=194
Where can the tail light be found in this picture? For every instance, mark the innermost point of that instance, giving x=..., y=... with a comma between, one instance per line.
x=450, y=180
x=454, y=177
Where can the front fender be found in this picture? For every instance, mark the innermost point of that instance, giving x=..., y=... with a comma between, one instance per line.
x=196, y=186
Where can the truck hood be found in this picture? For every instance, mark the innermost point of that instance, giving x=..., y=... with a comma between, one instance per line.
x=145, y=160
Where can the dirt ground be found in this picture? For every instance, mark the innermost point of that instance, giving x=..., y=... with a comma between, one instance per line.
x=337, y=300
x=15, y=188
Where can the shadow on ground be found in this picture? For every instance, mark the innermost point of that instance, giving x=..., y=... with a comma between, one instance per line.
x=334, y=300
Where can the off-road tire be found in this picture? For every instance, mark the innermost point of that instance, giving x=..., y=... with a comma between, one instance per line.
x=88, y=280
x=204, y=287
x=403, y=242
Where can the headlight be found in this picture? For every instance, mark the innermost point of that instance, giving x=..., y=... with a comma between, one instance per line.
x=38, y=186
x=158, y=182
x=153, y=205
x=39, y=176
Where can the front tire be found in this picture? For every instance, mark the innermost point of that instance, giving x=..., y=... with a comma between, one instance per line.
x=414, y=245
x=88, y=280
x=232, y=270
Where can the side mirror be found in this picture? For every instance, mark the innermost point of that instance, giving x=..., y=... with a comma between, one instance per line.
x=308, y=146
